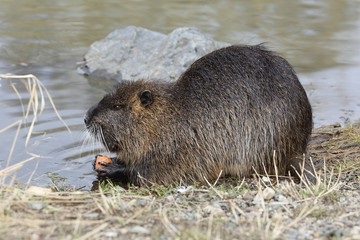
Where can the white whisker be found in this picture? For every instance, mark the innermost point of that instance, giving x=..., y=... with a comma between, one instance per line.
x=102, y=138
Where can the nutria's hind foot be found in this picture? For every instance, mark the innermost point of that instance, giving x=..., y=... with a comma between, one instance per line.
x=303, y=171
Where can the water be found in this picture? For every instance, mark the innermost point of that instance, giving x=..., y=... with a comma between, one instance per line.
x=48, y=38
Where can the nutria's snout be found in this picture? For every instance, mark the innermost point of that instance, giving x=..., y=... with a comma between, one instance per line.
x=86, y=120
x=89, y=115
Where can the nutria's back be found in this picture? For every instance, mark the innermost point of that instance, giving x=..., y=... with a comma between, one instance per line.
x=236, y=110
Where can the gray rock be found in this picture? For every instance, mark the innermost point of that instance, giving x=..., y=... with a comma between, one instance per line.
x=136, y=53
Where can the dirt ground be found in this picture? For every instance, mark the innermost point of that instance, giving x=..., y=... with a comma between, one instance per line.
x=258, y=208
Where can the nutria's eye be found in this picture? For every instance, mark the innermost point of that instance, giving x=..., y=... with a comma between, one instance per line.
x=146, y=98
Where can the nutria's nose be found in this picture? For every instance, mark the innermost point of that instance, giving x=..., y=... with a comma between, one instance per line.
x=89, y=114
x=86, y=119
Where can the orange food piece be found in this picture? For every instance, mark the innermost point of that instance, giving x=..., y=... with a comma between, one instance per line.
x=101, y=161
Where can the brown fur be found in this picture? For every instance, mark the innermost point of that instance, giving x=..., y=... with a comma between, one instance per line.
x=236, y=110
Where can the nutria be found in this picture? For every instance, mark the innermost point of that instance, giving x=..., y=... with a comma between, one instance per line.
x=238, y=110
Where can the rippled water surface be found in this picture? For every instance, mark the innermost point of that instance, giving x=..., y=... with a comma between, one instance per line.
x=48, y=38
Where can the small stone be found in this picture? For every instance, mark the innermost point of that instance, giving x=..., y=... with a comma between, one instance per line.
x=268, y=193
x=37, y=205
x=316, y=235
x=355, y=232
x=266, y=179
x=281, y=198
x=334, y=233
x=34, y=236
x=111, y=234
x=91, y=216
x=258, y=199
x=139, y=230
x=342, y=199
x=213, y=209
x=248, y=195
x=170, y=198
x=142, y=202
x=183, y=189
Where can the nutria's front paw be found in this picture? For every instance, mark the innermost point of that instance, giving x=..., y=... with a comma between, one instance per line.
x=106, y=167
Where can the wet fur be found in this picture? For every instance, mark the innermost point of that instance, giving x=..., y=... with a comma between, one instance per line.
x=236, y=110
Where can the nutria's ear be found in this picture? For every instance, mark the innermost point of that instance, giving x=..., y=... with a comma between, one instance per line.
x=146, y=98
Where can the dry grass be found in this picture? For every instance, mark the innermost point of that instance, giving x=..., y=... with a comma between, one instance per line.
x=36, y=103
x=38, y=96
x=258, y=208
x=226, y=210
x=165, y=213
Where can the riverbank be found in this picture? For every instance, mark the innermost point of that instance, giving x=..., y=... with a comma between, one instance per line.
x=258, y=208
